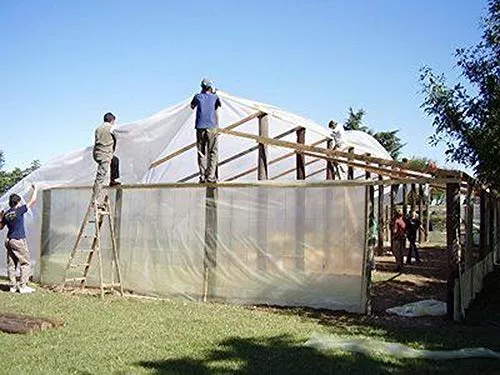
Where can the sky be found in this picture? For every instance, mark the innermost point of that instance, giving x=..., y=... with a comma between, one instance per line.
x=63, y=64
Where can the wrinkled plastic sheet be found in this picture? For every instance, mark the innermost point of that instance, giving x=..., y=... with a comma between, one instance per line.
x=371, y=347
x=428, y=307
x=300, y=245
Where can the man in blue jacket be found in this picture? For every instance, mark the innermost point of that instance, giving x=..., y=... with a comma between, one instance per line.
x=15, y=243
x=206, y=104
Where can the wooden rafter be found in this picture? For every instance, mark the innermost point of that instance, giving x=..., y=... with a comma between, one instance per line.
x=192, y=145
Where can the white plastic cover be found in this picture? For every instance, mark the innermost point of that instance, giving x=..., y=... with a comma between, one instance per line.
x=296, y=245
x=142, y=142
x=372, y=347
x=425, y=307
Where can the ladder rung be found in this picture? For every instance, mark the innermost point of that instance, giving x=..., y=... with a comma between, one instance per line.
x=103, y=213
x=76, y=279
x=76, y=265
x=84, y=251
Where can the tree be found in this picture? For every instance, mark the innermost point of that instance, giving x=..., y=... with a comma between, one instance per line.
x=9, y=179
x=467, y=120
x=388, y=139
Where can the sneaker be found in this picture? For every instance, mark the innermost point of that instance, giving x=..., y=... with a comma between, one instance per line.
x=114, y=183
x=13, y=289
x=26, y=290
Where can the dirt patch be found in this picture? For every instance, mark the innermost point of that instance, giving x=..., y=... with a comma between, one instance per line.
x=425, y=280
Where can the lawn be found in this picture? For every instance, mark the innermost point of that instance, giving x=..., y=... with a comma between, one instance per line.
x=137, y=336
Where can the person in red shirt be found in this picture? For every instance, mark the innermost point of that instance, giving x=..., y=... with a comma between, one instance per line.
x=399, y=231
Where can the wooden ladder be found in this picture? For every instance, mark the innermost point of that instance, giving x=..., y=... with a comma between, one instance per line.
x=87, y=244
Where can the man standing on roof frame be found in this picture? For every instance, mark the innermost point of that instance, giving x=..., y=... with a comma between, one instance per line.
x=206, y=124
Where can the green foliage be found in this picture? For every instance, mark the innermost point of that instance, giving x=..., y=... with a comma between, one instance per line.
x=388, y=139
x=467, y=120
x=9, y=179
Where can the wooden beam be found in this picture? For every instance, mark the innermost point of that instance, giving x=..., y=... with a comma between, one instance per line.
x=288, y=171
x=278, y=159
x=262, y=173
x=193, y=145
x=452, y=244
x=440, y=173
x=301, y=168
x=240, y=154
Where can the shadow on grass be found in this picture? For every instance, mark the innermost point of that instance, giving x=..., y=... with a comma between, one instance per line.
x=277, y=355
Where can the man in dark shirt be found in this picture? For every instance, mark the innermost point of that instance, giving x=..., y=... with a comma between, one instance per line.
x=206, y=104
x=15, y=243
x=413, y=225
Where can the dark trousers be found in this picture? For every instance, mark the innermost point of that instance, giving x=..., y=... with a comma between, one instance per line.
x=412, y=249
x=115, y=169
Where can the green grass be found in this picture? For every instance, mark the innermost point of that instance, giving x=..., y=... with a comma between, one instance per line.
x=120, y=335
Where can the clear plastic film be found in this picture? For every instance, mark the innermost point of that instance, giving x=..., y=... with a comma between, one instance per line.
x=298, y=245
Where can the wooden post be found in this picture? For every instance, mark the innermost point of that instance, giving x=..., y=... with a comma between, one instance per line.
x=381, y=223
x=210, y=262
x=300, y=206
x=427, y=214
x=420, y=211
x=491, y=222
x=469, y=216
x=394, y=189
x=453, y=248
x=350, y=169
x=482, y=225
x=118, y=217
x=370, y=241
x=262, y=196
x=413, y=196
x=45, y=234
x=405, y=200
x=301, y=168
x=262, y=172
x=330, y=166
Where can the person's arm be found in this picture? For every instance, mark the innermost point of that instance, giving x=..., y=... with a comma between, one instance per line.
x=32, y=200
x=217, y=106
x=194, y=102
x=2, y=224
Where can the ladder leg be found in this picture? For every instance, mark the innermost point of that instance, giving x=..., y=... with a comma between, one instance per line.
x=77, y=242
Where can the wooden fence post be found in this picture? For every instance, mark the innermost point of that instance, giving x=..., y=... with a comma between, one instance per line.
x=453, y=248
x=300, y=206
x=211, y=234
x=381, y=222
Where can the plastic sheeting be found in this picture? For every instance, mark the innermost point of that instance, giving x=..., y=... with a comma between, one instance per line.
x=142, y=142
x=376, y=347
x=425, y=307
x=295, y=245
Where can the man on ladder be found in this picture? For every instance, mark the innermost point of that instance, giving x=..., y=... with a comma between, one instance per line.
x=98, y=208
